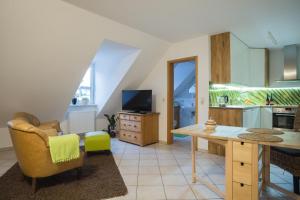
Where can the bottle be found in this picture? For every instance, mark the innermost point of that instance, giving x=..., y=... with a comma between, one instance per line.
x=271, y=100
x=268, y=100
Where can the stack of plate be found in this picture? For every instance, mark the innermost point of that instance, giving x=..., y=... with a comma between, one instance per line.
x=210, y=125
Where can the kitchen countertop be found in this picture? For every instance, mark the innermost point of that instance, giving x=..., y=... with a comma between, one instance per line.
x=245, y=107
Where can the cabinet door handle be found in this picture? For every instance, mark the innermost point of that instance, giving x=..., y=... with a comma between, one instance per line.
x=242, y=184
x=242, y=164
x=242, y=143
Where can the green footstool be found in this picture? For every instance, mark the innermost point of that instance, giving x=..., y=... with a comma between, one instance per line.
x=96, y=141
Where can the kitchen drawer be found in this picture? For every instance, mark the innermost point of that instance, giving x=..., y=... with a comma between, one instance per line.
x=123, y=116
x=135, y=118
x=242, y=152
x=241, y=191
x=242, y=173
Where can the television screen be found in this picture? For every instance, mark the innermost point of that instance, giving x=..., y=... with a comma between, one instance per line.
x=137, y=100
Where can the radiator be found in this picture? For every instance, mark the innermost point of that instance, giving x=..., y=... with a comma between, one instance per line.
x=81, y=121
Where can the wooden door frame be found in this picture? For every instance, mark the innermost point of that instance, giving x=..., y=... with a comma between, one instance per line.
x=170, y=93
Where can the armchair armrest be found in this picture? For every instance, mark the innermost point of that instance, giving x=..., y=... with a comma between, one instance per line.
x=50, y=125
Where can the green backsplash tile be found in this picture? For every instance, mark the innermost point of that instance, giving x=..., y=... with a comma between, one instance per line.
x=281, y=96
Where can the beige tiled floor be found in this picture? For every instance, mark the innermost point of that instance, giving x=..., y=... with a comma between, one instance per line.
x=164, y=171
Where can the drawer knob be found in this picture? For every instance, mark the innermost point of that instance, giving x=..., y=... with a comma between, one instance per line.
x=242, y=143
x=242, y=164
x=134, y=126
x=135, y=137
x=242, y=184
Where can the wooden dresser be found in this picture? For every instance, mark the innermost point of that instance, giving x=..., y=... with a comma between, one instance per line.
x=140, y=129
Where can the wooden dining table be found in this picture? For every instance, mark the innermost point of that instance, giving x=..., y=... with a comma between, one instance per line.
x=247, y=162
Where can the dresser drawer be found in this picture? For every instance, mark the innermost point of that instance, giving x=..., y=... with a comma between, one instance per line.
x=135, y=126
x=124, y=116
x=241, y=191
x=242, y=173
x=130, y=136
x=135, y=118
x=125, y=125
x=242, y=152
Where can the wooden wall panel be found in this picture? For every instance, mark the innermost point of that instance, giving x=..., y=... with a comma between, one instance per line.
x=224, y=116
x=220, y=58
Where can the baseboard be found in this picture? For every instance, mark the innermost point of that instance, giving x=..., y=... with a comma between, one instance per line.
x=162, y=142
x=6, y=148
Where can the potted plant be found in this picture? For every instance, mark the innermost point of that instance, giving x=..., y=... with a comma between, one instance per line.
x=112, y=123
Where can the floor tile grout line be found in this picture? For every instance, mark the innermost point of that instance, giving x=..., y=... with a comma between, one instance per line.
x=186, y=180
x=161, y=175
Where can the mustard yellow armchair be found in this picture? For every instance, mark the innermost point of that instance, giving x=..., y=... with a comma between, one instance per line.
x=30, y=142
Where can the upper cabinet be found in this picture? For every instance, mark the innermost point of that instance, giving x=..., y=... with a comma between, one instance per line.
x=233, y=62
x=220, y=58
x=259, y=67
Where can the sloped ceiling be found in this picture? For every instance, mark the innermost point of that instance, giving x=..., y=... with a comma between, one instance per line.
x=111, y=64
x=46, y=47
x=177, y=20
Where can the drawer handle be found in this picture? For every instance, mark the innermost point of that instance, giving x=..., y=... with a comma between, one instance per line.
x=242, y=164
x=242, y=184
x=242, y=143
x=135, y=137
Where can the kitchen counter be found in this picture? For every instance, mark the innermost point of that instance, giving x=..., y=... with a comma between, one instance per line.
x=235, y=107
x=245, y=107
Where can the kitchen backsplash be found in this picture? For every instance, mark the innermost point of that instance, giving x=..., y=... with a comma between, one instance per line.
x=254, y=96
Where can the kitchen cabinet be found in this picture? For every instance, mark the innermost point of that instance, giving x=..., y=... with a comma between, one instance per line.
x=251, y=118
x=266, y=117
x=224, y=116
x=229, y=59
x=239, y=58
x=232, y=61
x=243, y=117
x=220, y=58
x=259, y=67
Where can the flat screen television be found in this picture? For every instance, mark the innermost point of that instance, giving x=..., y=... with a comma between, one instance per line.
x=137, y=100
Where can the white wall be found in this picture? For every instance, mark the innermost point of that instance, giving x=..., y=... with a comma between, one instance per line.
x=111, y=63
x=5, y=140
x=47, y=46
x=157, y=80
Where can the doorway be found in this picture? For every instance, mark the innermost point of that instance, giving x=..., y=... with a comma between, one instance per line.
x=182, y=94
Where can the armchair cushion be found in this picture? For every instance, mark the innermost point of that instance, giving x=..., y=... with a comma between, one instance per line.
x=50, y=125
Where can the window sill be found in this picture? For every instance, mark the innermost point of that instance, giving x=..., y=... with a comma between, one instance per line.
x=88, y=107
x=82, y=105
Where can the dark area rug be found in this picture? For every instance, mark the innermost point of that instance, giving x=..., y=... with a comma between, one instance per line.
x=100, y=179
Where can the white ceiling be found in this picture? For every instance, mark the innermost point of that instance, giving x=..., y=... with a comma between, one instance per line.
x=177, y=20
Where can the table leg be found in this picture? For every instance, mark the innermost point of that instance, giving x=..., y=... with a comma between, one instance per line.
x=266, y=166
x=228, y=170
x=193, y=150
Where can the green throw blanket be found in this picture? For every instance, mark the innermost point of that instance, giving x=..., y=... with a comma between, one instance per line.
x=64, y=148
